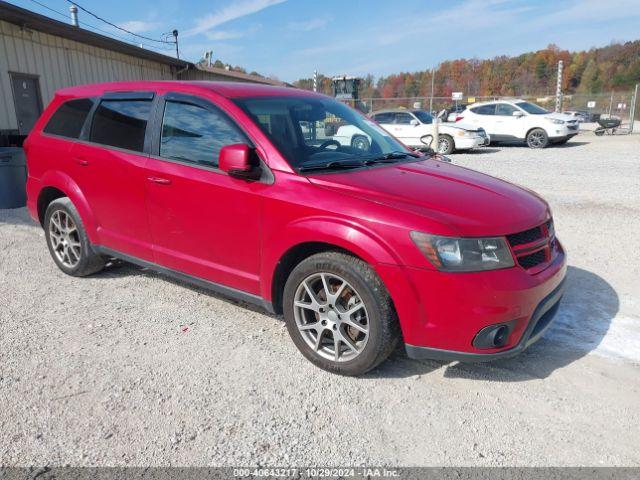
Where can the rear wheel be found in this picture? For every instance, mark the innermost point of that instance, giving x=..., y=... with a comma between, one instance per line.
x=599, y=132
x=446, y=144
x=537, y=138
x=339, y=314
x=67, y=240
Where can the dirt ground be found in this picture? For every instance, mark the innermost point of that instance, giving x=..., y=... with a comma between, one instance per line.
x=129, y=368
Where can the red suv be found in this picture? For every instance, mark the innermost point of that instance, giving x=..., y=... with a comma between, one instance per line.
x=239, y=188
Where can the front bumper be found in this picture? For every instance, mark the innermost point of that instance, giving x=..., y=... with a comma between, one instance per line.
x=562, y=131
x=466, y=143
x=441, y=313
x=540, y=321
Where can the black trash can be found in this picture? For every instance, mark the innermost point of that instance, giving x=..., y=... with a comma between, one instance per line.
x=13, y=178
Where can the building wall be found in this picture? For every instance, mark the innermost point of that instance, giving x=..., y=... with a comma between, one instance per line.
x=59, y=62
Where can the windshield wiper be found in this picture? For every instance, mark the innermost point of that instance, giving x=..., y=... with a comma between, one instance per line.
x=390, y=157
x=330, y=165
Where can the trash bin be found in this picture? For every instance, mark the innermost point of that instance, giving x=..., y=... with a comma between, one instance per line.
x=13, y=178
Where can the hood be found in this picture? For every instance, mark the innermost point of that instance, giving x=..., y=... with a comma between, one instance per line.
x=451, y=199
x=561, y=116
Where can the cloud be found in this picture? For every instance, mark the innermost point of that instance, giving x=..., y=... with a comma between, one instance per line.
x=222, y=35
x=139, y=26
x=308, y=25
x=236, y=10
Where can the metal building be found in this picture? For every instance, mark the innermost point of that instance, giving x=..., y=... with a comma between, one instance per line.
x=39, y=55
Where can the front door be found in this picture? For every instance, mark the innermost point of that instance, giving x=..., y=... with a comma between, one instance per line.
x=203, y=222
x=507, y=127
x=27, y=101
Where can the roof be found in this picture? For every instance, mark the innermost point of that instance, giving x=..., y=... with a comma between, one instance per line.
x=226, y=89
x=34, y=21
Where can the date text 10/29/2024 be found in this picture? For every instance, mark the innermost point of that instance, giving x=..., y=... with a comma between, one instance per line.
x=319, y=472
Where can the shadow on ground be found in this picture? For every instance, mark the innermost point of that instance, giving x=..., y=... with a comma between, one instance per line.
x=586, y=311
x=17, y=216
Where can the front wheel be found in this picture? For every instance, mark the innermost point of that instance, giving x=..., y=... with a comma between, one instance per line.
x=339, y=313
x=446, y=144
x=537, y=138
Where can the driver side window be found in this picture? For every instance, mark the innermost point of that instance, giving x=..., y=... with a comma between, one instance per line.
x=505, y=109
x=403, y=119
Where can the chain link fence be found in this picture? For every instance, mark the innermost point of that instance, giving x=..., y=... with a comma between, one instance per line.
x=618, y=104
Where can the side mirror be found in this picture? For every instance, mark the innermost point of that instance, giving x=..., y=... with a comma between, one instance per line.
x=414, y=122
x=236, y=161
x=517, y=114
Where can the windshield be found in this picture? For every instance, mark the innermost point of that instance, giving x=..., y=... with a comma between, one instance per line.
x=531, y=108
x=311, y=130
x=423, y=116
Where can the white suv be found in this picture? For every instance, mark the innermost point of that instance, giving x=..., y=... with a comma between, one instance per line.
x=520, y=121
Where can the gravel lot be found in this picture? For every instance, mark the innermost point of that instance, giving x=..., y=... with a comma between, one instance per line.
x=130, y=368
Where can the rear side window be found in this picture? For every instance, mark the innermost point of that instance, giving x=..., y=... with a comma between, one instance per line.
x=384, y=117
x=121, y=123
x=485, y=109
x=69, y=119
x=196, y=134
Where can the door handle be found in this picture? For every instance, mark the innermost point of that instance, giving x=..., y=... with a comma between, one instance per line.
x=159, y=180
x=81, y=161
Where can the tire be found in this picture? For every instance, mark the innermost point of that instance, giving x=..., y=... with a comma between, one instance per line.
x=358, y=289
x=360, y=142
x=67, y=240
x=599, y=132
x=446, y=145
x=537, y=138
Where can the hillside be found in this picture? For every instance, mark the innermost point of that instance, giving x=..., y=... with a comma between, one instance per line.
x=615, y=67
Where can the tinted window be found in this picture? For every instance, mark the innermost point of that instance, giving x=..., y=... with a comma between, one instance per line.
x=403, y=118
x=423, y=116
x=196, y=134
x=505, y=109
x=386, y=117
x=121, y=123
x=532, y=108
x=485, y=109
x=69, y=118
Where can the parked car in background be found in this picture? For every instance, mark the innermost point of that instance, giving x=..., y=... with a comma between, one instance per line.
x=517, y=121
x=235, y=188
x=412, y=126
x=580, y=116
x=454, y=112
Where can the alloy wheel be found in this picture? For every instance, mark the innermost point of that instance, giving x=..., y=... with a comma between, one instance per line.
x=331, y=317
x=443, y=145
x=65, y=239
x=536, y=139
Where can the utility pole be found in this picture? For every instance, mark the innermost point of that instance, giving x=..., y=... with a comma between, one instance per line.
x=433, y=77
x=559, y=87
x=633, y=108
x=315, y=80
x=175, y=36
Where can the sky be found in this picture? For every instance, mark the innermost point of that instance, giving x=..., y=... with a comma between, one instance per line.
x=289, y=39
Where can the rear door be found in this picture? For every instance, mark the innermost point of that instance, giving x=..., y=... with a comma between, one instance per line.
x=203, y=222
x=109, y=168
x=482, y=116
x=403, y=130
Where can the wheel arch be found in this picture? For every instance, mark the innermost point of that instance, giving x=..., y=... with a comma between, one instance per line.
x=307, y=238
x=58, y=185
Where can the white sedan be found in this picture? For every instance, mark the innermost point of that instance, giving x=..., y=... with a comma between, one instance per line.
x=411, y=126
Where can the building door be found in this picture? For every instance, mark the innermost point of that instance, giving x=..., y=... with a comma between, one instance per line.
x=27, y=101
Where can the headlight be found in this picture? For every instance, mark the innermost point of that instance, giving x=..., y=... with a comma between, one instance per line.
x=464, y=133
x=557, y=121
x=452, y=254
